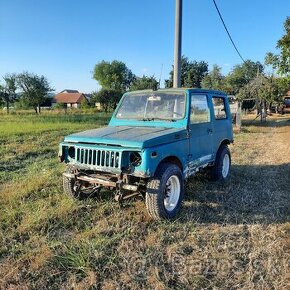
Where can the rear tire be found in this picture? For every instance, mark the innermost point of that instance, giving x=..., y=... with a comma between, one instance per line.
x=165, y=192
x=221, y=170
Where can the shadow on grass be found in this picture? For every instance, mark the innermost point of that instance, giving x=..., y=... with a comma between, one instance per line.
x=253, y=194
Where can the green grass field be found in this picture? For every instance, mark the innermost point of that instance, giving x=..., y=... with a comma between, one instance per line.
x=229, y=236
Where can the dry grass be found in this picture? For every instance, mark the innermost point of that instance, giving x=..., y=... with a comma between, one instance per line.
x=234, y=235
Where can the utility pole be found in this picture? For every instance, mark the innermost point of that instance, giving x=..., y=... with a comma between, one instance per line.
x=177, y=45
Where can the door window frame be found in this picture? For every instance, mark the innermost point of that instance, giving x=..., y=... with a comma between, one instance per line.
x=208, y=108
x=225, y=108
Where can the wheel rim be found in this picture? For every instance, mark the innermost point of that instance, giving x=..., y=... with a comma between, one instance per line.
x=172, y=193
x=226, y=165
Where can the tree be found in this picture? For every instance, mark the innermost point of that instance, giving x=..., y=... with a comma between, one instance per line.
x=3, y=96
x=241, y=75
x=1, y=100
x=272, y=59
x=85, y=104
x=192, y=73
x=283, y=85
x=256, y=89
x=266, y=90
x=108, y=98
x=214, y=79
x=34, y=89
x=281, y=61
x=144, y=83
x=8, y=91
x=113, y=75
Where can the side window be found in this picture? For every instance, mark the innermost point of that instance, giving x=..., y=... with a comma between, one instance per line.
x=199, y=111
x=219, y=108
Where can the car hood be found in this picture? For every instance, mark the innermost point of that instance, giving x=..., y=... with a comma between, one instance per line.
x=126, y=136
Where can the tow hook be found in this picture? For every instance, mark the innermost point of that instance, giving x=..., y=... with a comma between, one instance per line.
x=119, y=193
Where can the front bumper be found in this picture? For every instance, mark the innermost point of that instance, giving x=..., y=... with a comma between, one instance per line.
x=102, y=181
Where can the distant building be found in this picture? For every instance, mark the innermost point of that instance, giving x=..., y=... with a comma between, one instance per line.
x=88, y=96
x=98, y=106
x=70, y=98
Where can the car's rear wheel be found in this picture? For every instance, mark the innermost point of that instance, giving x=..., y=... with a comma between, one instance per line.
x=222, y=167
x=165, y=192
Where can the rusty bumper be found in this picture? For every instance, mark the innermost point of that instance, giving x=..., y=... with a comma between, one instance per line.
x=102, y=181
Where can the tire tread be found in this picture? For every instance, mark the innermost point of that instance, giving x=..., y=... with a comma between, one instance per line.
x=154, y=198
x=216, y=170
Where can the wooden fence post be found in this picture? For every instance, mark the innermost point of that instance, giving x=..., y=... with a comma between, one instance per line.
x=239, y=117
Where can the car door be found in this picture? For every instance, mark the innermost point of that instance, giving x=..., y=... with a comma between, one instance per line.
x=200, y=127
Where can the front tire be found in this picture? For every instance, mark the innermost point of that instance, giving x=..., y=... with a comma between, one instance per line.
x=69, y=184
x=165, y=192
x=221, y=170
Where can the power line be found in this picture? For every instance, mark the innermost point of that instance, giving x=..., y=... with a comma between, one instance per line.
x=230, y=37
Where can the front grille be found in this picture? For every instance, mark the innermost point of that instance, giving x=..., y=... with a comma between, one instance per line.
x=98, y=157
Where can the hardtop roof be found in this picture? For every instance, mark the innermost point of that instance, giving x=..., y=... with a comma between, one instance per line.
x=193, y=90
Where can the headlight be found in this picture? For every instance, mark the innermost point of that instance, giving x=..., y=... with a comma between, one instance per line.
x=135, y=158
x=71, y=152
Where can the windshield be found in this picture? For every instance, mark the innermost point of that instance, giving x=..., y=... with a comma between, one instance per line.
x=153, y=106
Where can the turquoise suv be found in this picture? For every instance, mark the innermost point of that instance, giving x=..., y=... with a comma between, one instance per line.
x=153, y=143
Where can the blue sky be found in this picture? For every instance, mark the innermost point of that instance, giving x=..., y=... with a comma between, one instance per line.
x=64, y=39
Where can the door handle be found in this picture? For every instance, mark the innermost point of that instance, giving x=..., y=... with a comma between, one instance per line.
x=209, y=131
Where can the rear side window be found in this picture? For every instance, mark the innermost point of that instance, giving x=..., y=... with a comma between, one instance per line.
x=199, y=111
x=219, y=108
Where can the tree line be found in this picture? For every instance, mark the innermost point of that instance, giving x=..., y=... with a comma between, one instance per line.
x=248, y=80
x=28, y=89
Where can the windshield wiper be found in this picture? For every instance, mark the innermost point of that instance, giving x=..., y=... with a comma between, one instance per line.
x=157, y=118
x=148, y=119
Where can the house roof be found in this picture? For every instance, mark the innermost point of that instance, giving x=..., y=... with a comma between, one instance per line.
x=88, y=96
x=69, y=91
x=69, y=98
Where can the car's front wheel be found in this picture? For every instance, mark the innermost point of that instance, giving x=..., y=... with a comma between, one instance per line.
x=69, y=183
x=165, y=192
